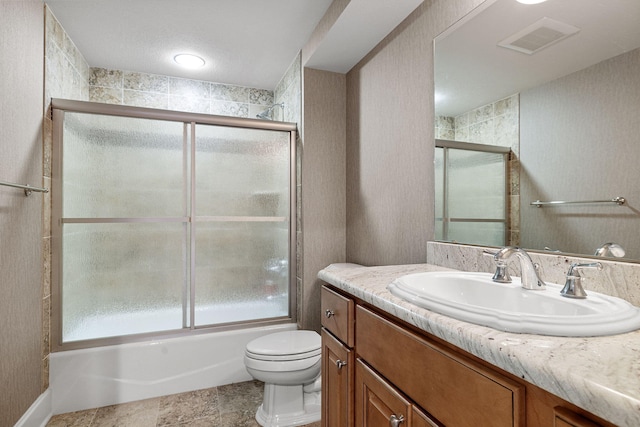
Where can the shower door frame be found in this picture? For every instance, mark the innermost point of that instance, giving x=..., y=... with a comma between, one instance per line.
x=61, y=106
x=446, y=219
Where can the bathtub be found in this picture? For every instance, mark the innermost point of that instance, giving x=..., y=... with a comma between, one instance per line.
x=101, y=376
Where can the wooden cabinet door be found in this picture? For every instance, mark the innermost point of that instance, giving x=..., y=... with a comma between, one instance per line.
x=420, y=419
x=377, y=403
x=337, y=383
x=566, y=418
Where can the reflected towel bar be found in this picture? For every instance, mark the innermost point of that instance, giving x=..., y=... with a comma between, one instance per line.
x=27, y=188
x=617, y=200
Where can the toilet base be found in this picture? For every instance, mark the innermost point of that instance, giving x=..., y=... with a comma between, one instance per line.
x=288, y=406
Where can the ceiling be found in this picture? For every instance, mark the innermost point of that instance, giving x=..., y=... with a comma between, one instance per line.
x=471, y=70
x=244, y=42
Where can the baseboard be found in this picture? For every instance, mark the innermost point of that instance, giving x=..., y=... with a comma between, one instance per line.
x=38, y=413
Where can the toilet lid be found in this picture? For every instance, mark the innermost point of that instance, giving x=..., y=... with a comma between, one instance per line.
x=288, y=345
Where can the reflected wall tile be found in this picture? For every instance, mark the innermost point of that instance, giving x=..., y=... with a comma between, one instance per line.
x=189, y=88
x=481, y=114
x=54, y=30
x=462, y=120
x=507, y=130
x=47, y=141
x=482, y=132
x=106, y=78
x=105, y=94
x=145, y=99
x=507, y=105
x=447, y=134
x=146, y=82
x=514, y=213
x=232, y=109
x=462, y=134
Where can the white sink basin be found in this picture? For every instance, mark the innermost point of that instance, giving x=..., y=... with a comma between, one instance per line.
x=475, y=298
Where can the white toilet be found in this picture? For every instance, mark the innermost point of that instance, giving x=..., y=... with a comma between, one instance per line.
x=289, y=365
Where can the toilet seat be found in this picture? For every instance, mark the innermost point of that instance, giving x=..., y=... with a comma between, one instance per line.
x=285, y=346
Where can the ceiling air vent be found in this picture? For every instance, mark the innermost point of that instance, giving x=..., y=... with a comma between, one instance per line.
x=539, y=35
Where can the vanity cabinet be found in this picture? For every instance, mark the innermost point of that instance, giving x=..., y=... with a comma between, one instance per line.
x=337, y=359
x=378, y=403
x=379, y=371
x=455, y=391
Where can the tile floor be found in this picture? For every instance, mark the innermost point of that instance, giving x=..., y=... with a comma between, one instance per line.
x=232, y=405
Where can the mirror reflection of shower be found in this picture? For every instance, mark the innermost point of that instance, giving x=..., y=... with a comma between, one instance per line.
x=268, y=113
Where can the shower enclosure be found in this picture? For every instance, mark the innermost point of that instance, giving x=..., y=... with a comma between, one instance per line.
x=471, y=193
x=168, y=222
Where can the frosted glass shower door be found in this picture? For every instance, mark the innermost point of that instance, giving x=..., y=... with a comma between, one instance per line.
x=241, y=224
x=471, y=195
x=124, y=226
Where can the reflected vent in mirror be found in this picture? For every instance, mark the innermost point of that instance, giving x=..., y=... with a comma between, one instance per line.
x=539, y=35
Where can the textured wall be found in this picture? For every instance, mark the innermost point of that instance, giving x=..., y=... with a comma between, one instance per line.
x=323, y=177
x=574, y=148
x=21, y=86
x=390, y=122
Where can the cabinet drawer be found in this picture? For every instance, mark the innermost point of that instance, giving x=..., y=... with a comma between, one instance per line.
x=338, y=315
x=457, y=391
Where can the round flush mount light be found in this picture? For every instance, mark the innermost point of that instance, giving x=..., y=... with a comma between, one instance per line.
x=530, y=1
x=189, y=61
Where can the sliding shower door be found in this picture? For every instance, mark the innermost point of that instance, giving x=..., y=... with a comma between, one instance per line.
x=124, y=226
x=241, y=223
x=471, y=193
x=168, y=224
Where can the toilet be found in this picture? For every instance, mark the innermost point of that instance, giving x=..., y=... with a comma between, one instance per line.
x=289, y=365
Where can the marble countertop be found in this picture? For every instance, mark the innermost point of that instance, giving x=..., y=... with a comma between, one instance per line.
x=598, y=374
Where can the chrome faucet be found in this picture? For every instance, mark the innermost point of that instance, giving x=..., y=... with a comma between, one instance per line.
x=573, y=286
x=529, y=271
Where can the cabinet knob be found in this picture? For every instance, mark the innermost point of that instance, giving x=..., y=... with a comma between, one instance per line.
x=340, y=364
x=396, y=421
x=328, y=313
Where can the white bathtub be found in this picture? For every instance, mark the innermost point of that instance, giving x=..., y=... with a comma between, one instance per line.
x=90, y=378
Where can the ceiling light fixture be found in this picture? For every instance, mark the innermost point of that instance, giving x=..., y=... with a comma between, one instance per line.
x=189, y=61
x=530, y=1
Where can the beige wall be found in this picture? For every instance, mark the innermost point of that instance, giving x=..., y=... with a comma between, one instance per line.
x=21, y=86
x=390, y=134
x=565, y=157
x=323, y=190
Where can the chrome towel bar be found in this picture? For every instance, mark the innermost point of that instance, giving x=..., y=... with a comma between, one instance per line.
x=27, y=188
x=617, y=200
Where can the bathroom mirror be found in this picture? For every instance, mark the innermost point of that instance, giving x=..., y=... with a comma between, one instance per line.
x=558, y=83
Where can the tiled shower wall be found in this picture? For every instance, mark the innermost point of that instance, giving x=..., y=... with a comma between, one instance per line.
x=497, y=123
x=177, y=94
x=68, y=76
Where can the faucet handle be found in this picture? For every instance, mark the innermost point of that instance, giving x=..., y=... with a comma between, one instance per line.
x=573, y=286
x=502, y=269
